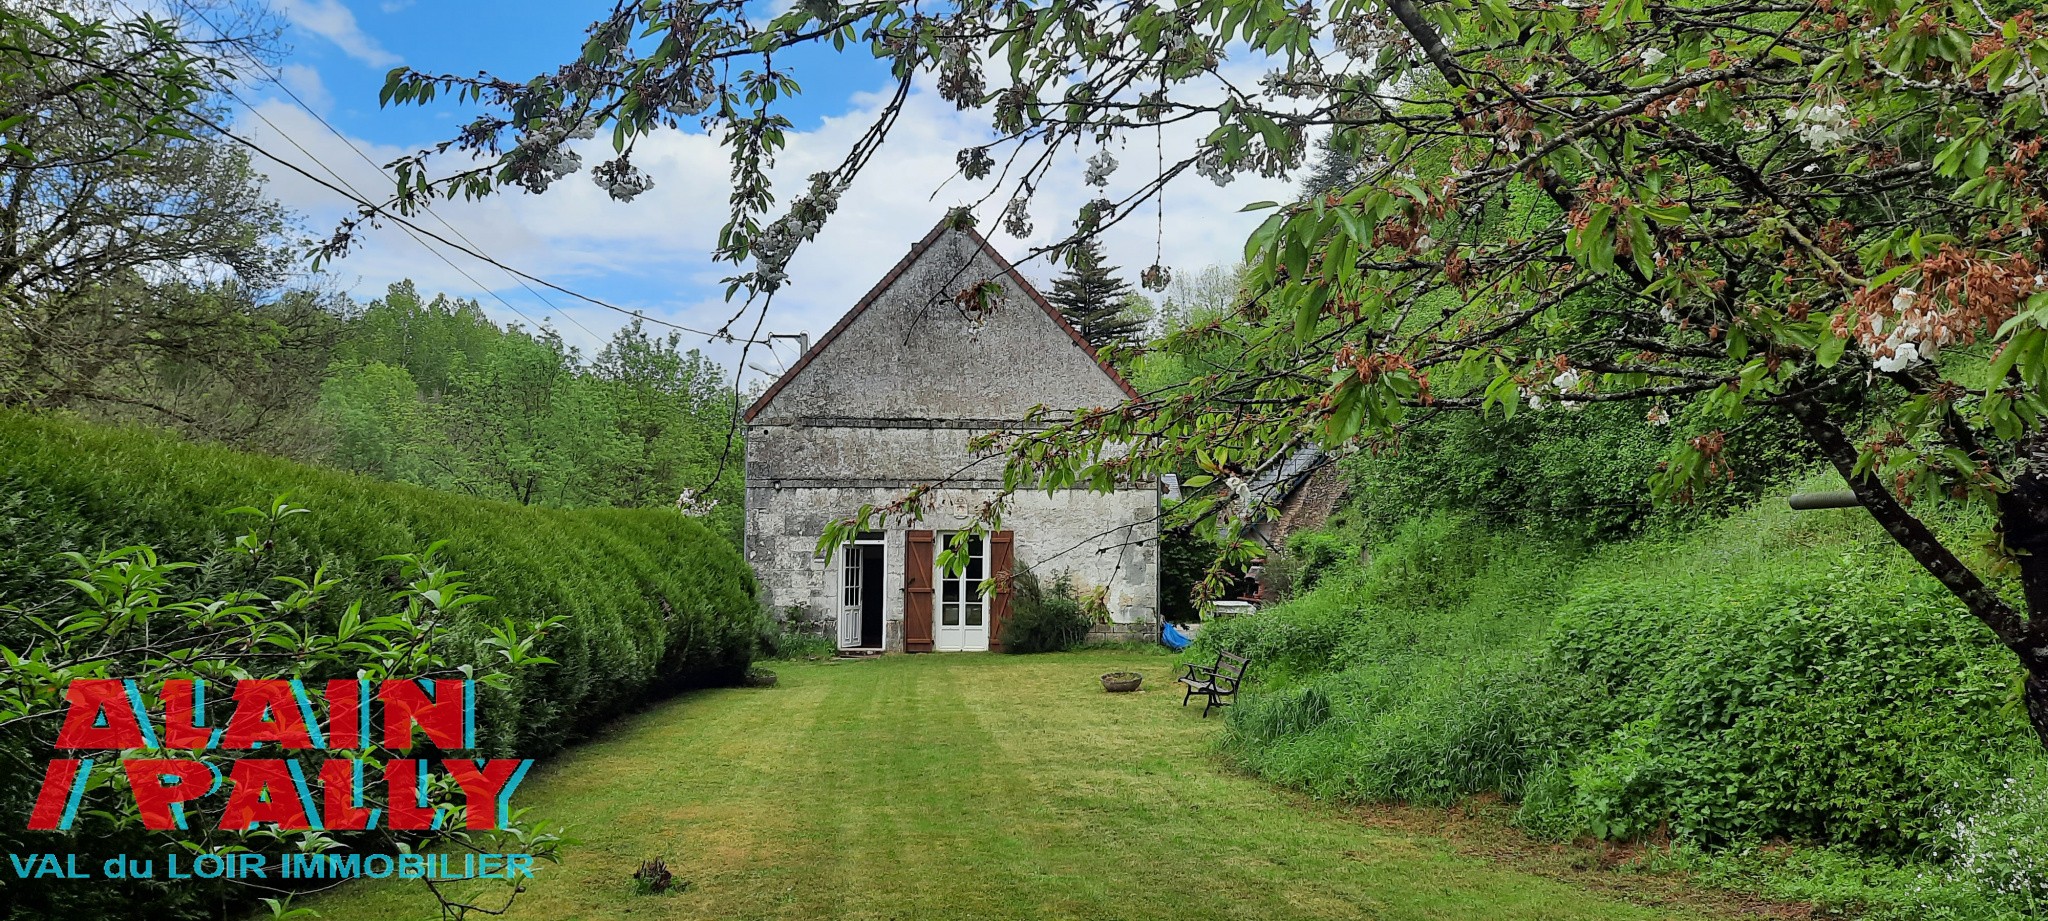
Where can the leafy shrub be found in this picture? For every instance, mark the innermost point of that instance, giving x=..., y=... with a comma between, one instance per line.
x=1577, y=476
x=1044, y=618
x=651, y=600
x=1298, y=639
x=1774, y=676
x=797, y=634
x=1318, y=554
x=131, y=615
x=1781, y=704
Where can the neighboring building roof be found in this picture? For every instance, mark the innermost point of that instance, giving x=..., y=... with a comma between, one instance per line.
x=1274, y=485
x=909, y=259
x=1299, y=492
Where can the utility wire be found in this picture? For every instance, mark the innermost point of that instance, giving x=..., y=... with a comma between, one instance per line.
x=408, y=230
x=468, y=248
x=331, y=171
x=278, y=80
x=377, y=210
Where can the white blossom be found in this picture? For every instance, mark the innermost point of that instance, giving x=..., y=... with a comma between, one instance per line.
x=621, y=180
x=1653, y=56
x=1212, y=166
x=1822, y=125
x=696, y=506
x=1242, y=491
x=1099, y=168
x=1903, y=356
x=777, y=242
x=1017, y=215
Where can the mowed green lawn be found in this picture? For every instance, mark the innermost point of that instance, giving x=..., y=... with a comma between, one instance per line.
x=968, y=787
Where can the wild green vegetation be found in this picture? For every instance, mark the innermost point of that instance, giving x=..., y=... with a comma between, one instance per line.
x=131, y=614
x=1721, y=683
x=1045, y=618
x=147, y=274
x=420, y=390
x=983, y=787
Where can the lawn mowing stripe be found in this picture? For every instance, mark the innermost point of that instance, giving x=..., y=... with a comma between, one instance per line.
x=818, y=799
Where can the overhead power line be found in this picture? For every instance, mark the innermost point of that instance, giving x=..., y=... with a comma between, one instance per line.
x=467, y=247
x=408, y=231
x=277, y=80
x=381, y=211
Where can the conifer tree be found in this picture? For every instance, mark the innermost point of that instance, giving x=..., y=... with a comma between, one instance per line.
x=1334, y=171
x=1092, y=298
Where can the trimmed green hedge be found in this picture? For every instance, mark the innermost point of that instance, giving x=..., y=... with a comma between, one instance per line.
x=653, y=600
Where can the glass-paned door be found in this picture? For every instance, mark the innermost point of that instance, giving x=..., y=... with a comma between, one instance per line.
x=961, y=621
x=850, y=568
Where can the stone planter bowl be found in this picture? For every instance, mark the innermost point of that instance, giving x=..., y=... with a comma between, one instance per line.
x=1121, y=682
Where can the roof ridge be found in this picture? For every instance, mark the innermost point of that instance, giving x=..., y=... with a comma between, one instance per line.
x=909, y=259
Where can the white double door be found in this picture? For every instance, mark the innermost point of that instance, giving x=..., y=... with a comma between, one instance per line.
x=961, y=622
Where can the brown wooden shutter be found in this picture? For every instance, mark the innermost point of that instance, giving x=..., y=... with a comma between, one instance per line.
x=918, y=557
x=1002, y=559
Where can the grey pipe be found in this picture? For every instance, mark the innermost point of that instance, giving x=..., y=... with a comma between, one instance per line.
x=1807, y=501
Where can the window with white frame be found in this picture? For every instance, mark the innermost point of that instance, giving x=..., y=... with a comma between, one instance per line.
x=960, y=600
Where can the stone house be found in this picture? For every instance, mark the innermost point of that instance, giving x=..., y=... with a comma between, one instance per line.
x=888, y=399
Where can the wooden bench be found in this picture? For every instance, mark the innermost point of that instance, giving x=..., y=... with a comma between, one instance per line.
x=1217, y=682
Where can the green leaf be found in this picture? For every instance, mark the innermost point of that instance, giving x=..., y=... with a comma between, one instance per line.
x=1830, y=351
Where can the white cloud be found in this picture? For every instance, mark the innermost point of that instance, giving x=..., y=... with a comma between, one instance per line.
x=652, y=254
x=393, y=6
x=332, y=20
x=305, y=81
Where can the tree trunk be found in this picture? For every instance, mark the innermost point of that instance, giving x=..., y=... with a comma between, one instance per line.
x=2023, y=521
x=2023, y=525
x=2036, y=698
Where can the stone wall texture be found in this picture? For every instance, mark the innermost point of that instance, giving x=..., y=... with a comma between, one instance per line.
x=891, y=398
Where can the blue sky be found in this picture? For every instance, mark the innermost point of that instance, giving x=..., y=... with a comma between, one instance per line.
x=651, y=254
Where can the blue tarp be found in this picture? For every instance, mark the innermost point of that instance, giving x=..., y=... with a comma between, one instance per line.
x=1172, y=637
